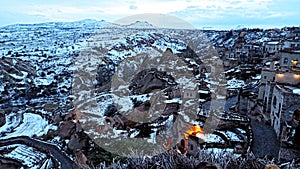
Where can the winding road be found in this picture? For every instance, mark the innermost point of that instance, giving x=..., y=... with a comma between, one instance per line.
x=62, y=158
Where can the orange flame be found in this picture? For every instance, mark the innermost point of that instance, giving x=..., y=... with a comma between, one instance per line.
x=195, y=129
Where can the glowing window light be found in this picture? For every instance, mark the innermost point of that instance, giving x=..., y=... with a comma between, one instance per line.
x=296, y=76
x=294, y=63
x=280, y=75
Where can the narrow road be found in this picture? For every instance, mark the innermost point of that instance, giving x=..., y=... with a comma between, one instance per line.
x=62, y=158
x=265, y=142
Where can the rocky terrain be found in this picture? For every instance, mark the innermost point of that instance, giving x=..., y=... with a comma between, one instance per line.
x=67, y=87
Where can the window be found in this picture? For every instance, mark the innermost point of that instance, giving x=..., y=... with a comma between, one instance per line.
x=285, y=61
x=265, y=106
x=274, y=101
x=279, y=109
x=266, y=99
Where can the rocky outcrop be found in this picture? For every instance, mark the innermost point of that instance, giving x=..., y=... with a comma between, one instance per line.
x=10, y=67
x=149, y=80
x=66, y=129
x=81, y=160
x=14, y=74
x=2, y=118
x=77, y=143
x=9, y=163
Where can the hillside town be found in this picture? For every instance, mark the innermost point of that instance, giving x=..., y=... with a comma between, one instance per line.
x=47, y=120
x=276, y=100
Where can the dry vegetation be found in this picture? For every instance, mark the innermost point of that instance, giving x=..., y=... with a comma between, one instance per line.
x=203, y=160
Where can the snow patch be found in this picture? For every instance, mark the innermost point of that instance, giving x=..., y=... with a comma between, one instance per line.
x=296, y=91
x=32, y=124
x=27, y=155
x=235, y=83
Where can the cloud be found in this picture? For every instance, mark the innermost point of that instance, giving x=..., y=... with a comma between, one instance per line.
x=212, y=12
x=230, y=13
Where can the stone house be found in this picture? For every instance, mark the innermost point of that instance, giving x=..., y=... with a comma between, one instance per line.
x=272, y=47
x=291, y=44
x=279, y=92
x=293, y=32
x=285, y=100
x=266, y=89
x=290, y=57
x=190, y=94
x=229, y=54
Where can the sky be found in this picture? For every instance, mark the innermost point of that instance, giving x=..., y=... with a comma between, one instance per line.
x=202, y=14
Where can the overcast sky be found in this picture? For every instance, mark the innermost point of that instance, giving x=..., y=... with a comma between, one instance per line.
x=200, y=13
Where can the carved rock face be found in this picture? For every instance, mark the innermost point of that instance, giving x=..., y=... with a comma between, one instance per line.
x=149, y=80
x=2, y=119
x=158, y=86
x=66, y=129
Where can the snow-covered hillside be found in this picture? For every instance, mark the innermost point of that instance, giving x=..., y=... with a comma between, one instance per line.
x=49, y=69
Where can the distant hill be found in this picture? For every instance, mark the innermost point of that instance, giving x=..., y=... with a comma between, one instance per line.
x=141, y=24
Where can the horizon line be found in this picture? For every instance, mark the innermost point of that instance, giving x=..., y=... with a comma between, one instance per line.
x=204, y=27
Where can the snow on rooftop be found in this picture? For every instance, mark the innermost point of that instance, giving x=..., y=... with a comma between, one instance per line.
x=213, y=138
x=296, y=51
x=273, y=43
x=258, y=77
x=296, y=91
x=235, y=83
x=268, y=63
x=203, y=91
x=263, y=39
x=230, y=70
x=174, y=100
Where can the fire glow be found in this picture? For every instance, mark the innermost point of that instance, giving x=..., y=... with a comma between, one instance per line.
x=195, y=131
